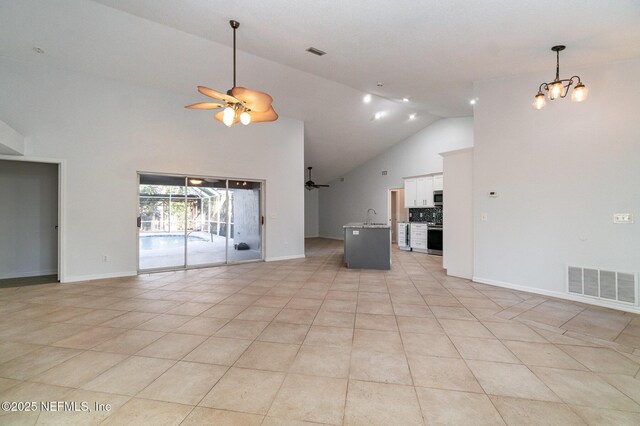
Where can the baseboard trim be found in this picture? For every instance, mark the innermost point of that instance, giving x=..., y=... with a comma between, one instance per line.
x=331, y=238
x=28, y=274
x=278, y=258
x=558, y=295
x=78, y=278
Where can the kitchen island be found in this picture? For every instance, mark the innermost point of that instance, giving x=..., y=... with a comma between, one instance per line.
x=367, y=245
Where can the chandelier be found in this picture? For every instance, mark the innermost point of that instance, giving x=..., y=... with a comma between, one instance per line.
x=560, y=88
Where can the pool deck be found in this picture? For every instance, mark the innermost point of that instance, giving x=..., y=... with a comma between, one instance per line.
x=207, y=251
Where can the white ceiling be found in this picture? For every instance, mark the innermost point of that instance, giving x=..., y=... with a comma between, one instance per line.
x=430, y=51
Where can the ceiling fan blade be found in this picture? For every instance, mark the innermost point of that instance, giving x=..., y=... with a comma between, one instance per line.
x=204, y=105
x=217, y=95
x=268, y=115
x=220, y=114
x=252, y=99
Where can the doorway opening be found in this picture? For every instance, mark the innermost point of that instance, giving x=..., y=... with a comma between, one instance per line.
x=29, y=246
x=397, y=211
x=195, y=221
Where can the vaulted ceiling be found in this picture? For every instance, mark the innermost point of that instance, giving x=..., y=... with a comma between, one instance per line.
x=427, y=51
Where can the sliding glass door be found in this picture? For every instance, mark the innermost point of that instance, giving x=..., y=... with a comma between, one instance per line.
x=206, y=223
x=193, y=221
x=161, y=222
x=245, y=242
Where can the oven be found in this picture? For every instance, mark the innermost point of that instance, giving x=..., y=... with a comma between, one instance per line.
x=434, y=239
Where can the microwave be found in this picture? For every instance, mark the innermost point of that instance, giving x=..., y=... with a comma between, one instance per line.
x=437, y=198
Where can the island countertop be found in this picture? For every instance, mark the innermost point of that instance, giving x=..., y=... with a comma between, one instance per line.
x=366, y=225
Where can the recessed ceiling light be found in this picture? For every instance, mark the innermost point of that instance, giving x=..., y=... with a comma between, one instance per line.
x=38, y=50
x=378, y=115
x=316, y=51
x=367, y=98
x=473, y=101
x=412, y=116
x=405, y=99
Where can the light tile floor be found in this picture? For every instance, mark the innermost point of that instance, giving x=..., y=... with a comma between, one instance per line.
x=310, y=341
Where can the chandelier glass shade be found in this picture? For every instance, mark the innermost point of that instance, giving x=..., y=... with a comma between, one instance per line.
x=559, y=88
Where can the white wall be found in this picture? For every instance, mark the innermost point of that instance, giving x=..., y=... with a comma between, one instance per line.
x=108, y=130
x=311, y=211
x=561, y=173
x=28, y=216
x=365, y=187
x=457, y=257
x=11, y=142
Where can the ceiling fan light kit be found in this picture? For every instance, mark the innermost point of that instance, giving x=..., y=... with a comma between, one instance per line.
x=560, y=88
x=239, y=103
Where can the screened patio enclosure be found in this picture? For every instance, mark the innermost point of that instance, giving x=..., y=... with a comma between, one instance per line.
x=187, y=221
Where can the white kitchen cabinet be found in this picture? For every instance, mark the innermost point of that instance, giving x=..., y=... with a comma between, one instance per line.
x=418, y=191
x=418, y=236
x=410, y=193
x=402, y=235
x=424, y=191
x=438, y=183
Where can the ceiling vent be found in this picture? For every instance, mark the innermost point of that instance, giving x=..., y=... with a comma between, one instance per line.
x=618, y=287
x=315, y=51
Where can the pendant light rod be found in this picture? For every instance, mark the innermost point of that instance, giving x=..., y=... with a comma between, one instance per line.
x=558, y=49
x=234, y=24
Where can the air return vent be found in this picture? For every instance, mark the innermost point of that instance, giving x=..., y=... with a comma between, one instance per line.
x=316, y=51
x=620, y=287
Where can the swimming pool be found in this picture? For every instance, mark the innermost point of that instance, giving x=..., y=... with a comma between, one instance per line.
x=165, y=241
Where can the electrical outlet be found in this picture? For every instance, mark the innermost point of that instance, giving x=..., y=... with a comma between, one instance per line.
x=105, y=258
x=483, y=217
x=622, y=218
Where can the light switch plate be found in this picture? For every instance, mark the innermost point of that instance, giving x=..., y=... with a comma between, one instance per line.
x=483, y=217
x=622, y=218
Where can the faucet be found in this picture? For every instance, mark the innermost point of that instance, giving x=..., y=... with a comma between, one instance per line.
x=369, y=217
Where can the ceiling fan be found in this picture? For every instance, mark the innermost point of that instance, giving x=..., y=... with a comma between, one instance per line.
x=239, y=103
x=311, y=184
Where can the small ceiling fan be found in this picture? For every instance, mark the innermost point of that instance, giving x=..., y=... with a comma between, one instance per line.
x=239, y=103
x=311, y=184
